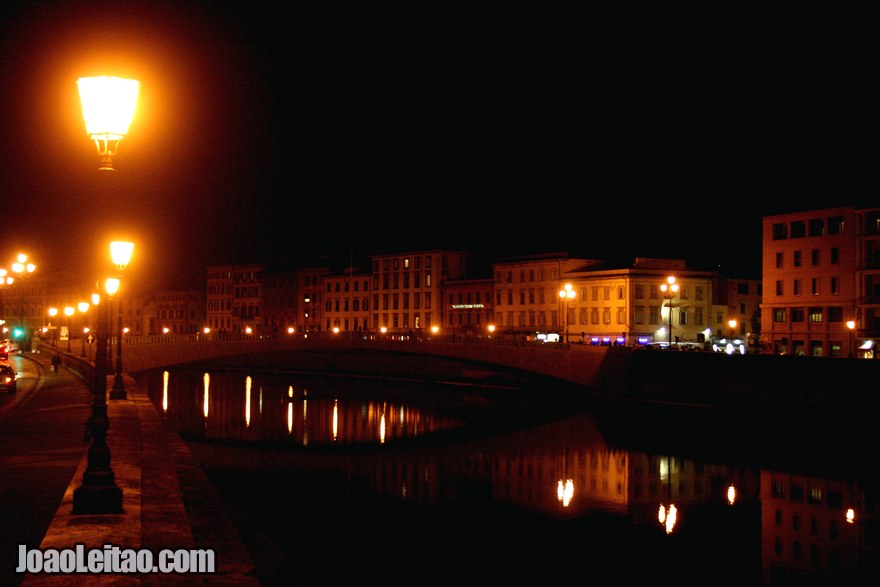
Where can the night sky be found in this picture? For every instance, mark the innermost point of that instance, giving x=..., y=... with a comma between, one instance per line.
x=268, y=134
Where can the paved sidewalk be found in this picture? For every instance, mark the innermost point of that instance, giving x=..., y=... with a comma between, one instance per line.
x=168, y=502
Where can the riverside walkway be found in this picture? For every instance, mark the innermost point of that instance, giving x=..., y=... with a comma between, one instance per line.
x=168, y=503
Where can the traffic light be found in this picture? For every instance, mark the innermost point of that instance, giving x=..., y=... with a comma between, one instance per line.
x=18, y=333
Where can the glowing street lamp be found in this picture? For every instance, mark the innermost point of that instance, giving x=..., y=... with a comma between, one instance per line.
x=68, y=311
x=120, y=252
x=669, y=289
x=108, y=105
x=851, y=324
x=52, y=313
x=565, y=294
x=22, y=270
x=83, y=307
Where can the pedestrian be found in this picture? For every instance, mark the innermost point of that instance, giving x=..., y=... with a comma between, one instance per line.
x=56, y=360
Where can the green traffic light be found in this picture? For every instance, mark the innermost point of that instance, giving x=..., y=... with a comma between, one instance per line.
x=17, y=332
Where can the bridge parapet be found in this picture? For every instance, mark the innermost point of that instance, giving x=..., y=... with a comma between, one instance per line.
x=578, y=364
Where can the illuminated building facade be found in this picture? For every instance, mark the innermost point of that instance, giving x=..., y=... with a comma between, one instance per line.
x=821, y=273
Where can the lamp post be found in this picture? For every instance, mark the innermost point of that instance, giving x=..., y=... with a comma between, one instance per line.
x=121, y=254
x=52, y=313
x=851, y=324
x=565, y=294
x=68, y=311
x=22, y=270
x=83, y=307
x=732, y=323
x=6, y=280
x=108, y=105
x=669, y=289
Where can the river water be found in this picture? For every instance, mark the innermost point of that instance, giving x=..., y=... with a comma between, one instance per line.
x=394, y=482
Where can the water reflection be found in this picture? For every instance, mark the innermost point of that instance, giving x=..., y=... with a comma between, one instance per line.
x=510, y=491
x=309, y=412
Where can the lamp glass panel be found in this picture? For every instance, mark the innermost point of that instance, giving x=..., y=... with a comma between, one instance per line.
x=108, y=105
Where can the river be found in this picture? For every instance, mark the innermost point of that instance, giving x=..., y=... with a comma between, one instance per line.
x=400, y=482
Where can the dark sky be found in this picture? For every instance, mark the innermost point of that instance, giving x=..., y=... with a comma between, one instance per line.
x=265, y=133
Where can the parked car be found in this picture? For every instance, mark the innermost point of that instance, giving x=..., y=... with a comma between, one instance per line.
x=4, y=350
x=8, y=378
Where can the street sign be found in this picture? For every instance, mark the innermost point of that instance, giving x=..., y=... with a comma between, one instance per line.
x=64, y=333
x=90, y=338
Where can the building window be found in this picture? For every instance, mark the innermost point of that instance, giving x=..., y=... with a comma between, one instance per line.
x=779, y=316
x=621, y=316
x=683, y=317
x=816, y=315
x=606, y=316
x=835, y=314
x=779, y=260
x=640, y=292
x=655, y=315
x=814, y=286
x=594, y=315
x=835, y=286
x=780, y=231
x=796, y=284
x=639, y=315
x=797, y=258
x=797, y=314
x=779, y=287
x=835, y=225
x=814, y=257
x=817, y=227
x=835, y=256
x=798, y=229
x=698, y=316
x=698, y=293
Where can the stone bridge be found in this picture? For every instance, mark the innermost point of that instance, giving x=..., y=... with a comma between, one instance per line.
x=578, y=364
x=765, y=381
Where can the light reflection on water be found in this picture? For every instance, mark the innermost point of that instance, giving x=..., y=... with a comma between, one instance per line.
x=232, y=407
x=517, y=491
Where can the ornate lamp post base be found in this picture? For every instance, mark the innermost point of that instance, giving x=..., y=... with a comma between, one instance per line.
x=97, y=500
x=98, y=493
x=118, y=391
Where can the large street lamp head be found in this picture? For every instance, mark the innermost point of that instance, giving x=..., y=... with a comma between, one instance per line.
x=121, y=253
x=68, y=311
x=108, y=105
x=851, y=324
x=83, y=307
x=53, y=312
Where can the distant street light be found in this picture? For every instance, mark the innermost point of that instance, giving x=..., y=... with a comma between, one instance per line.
x=83, y=308
x=108, y=105
x=22, y=270
x=851, y=324
x=68, y=311
x=53, y=331
x=732, y=323
x=121, y=254
x=669, y=289
x=565, y=294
